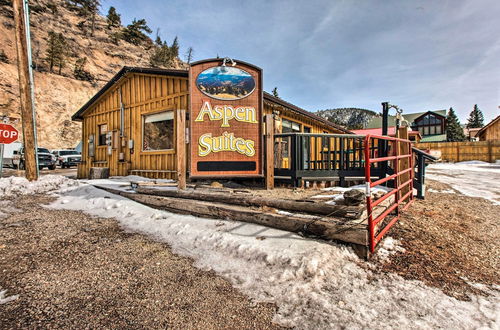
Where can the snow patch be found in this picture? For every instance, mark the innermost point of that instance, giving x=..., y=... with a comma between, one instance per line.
x=13, y=186
x=388, y=247
x=313, y=283
x=474, y=179
x=4, y=299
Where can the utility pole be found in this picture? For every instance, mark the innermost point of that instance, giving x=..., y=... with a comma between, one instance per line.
x=21, y=20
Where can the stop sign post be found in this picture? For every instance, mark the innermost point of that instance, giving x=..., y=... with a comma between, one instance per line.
x=8, y=134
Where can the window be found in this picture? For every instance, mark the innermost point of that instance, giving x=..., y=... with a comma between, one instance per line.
x=158, y=131
x=430, y=124
x=290, y=126
x=103, y=129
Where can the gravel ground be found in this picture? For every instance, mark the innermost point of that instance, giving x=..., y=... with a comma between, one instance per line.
x=451, y=241
x=74, y=271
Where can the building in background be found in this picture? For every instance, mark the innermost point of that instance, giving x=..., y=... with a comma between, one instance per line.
x=430, y=124
x=413, y=136
x=491, y=131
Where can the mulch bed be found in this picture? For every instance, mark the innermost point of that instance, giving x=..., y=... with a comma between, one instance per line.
x=451, y=241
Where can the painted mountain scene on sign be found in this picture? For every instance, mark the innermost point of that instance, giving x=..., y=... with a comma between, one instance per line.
x=225, y=83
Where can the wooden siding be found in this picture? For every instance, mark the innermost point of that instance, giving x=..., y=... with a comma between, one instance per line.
x=486, y=151
x=491, y=133
x=141, y=94
x=146, y=94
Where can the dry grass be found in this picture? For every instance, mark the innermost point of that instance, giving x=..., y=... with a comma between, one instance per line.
x=451, y=240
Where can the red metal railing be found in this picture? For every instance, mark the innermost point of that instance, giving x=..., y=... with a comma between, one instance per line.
x=378, y=226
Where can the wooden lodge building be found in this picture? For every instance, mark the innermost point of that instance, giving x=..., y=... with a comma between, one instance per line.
x=137, y=122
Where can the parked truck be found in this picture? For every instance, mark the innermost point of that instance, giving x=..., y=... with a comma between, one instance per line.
x=45, y=159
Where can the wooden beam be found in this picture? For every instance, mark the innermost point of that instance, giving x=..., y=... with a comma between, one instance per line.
x=347, y=231
x=342, y=211
x=269, y=168
x=180, y=148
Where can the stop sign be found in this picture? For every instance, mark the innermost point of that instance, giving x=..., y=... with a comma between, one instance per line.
x=8, y=134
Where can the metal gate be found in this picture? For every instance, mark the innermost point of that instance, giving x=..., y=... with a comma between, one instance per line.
x=395, y=161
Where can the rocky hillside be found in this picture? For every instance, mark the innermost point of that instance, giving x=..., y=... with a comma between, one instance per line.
x=58, y=96
x=351, y=118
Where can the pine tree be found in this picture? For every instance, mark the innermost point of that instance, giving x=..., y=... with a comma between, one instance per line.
x=162, y=55
x=189, y=55
x=56, y=51
x=174, y=49
x=79, y=71
x=476, y=118
x=135, y=32
x=113, y=18
x=275, y=91
x=454, y=131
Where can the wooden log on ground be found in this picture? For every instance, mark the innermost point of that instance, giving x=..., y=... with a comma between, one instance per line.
x=352, y=212
x=99, y=173
x=350, y=231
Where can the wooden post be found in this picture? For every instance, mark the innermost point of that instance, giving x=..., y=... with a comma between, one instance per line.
x=403, y=163
x=180, y=147
x=25, y=92
x=269, y=151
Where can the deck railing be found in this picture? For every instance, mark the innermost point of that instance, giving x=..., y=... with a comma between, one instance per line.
x=307, y=156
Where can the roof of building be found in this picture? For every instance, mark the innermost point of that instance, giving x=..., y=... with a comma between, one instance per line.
x=434, y=138
x=185, y=73
x=376, y=122
x=482, y=130
x=378, y=131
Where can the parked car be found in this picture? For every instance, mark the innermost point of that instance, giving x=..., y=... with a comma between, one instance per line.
x=45, y=159
x=67, y=158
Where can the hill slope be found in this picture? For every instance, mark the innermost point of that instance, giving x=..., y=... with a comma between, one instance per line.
x=59, y=96
x=351, y=118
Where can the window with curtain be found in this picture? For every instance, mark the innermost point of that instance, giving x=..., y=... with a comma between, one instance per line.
x=158, y=131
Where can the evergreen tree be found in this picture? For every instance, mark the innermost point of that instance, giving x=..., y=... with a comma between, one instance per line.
x=454, y=131
x=189, y=55
x=162, y=55
x=275, y=91
x=174, y=49
x=113, y=18
x=79, y=71
x=476, y=118
x=56, y=51
x=135, y=32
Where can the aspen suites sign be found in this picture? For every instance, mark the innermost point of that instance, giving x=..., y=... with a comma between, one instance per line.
x=225, y=119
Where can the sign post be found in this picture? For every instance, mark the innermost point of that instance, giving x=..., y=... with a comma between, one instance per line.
x=225, y=119
x=8, y=134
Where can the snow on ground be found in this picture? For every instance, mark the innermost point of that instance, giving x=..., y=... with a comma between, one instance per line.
x=313, y=283
x=472, y=178
x=12, y=186
x=5, y=299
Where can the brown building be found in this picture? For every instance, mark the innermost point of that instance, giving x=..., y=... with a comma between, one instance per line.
x=130, y=125
x=491, y=131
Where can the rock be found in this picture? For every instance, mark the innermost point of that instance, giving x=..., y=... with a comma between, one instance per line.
x=216, y=184
x=354, y=197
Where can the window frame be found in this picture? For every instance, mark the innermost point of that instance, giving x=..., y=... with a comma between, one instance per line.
x=99, y=134
x=174, y=137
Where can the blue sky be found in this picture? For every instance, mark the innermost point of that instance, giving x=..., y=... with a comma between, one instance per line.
x=420, y=55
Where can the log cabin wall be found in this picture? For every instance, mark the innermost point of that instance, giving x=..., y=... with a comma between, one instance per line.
x=141, y=94
x=146, y=93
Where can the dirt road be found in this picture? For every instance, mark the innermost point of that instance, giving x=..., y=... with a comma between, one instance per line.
x=74, y=271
